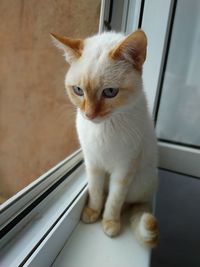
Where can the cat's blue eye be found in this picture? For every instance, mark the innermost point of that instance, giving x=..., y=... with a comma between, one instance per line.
x=110, y=92
x=78, y=91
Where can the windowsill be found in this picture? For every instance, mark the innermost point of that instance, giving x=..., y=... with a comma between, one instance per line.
x=35, y=225
x=88, y=246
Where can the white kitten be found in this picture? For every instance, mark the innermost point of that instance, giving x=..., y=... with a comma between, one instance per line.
x=115, y=130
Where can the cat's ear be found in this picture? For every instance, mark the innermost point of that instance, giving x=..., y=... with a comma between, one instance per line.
x=72, y=47
x=132, y=49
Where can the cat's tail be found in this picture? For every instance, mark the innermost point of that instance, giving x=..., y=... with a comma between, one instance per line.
x=145, y=225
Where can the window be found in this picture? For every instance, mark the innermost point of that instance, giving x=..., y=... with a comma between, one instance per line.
x=172, y=84
x=180, y=96
x=38, y=137
x=37, y=120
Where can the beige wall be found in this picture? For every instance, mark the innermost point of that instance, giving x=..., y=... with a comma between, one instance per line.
x=36, y=118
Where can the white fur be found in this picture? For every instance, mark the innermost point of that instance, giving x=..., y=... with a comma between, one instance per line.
x=121, y=145
x=114, y=143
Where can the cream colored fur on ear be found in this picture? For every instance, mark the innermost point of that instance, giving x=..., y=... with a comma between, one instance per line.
x=72, y=47
x=132, y=49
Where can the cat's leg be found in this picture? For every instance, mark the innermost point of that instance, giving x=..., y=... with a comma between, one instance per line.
x=145, y=225
x=96, y=179
x=119, y=185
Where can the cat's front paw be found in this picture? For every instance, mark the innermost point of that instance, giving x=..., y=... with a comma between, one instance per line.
x=111, y=227
x=89, y=215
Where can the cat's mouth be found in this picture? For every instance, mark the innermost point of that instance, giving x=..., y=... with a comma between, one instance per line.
x=97, y=119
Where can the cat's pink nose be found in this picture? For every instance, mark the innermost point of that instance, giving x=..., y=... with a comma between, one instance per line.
x=90, y=115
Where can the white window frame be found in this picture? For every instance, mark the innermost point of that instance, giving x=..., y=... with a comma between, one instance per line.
x=18, y=202
x=125, y=17
x=61, y=202
x=174, y=157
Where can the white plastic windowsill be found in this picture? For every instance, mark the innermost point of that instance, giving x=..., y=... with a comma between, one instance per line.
x=88, y=246
x=41, y=220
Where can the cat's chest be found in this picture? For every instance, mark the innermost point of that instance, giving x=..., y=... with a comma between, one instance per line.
x=97, y=136
x=109, y=142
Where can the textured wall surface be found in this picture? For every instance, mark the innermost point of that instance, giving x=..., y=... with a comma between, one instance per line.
x=36, y=119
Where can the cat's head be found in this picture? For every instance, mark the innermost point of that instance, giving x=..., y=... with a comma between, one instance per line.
x=105, y=71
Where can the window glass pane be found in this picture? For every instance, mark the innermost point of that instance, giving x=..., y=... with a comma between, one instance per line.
x=37, y=128
x=179, y=111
